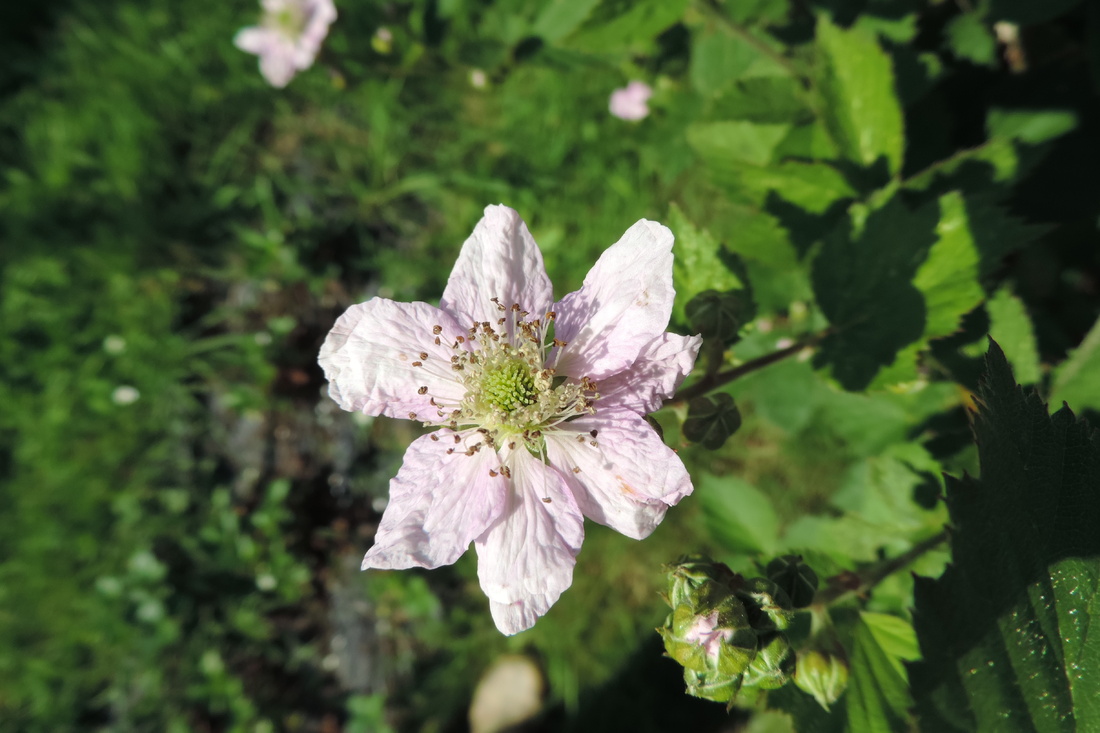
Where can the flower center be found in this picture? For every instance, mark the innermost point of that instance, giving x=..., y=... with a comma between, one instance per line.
x=509, y=386
x=512, y=392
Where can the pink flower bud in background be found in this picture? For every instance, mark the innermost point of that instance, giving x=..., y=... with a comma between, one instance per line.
x=629, y=103
x=288, y=37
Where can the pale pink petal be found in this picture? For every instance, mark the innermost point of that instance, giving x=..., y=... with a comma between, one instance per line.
x=630, y=102
x=526, y=559
x=624, y=303
x=278, y=67
x=628, y=479
x=252, y=40
x=369, y=359
x=439, y=503
x=499, y=260
x=653, y=377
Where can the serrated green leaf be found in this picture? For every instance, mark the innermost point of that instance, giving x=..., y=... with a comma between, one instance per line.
x=1010, y=326
x=861, y=108
x=948, y=279
x=1005, y=632
x=895, y=636
x=1077, y=379
x=739, y=517
x=864, y=285
x=698, y=263
x=878, y=698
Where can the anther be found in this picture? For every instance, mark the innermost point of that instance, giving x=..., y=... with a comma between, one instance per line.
x=412, y=415
x=434, y=437
x=417, y=364
x=593, y=433
x=580, y=438
x=437, y=330
x=424, y=355
x=422, y=390
x=576, y=469
x=493, y=473
x=546, y=499
x=506, y=471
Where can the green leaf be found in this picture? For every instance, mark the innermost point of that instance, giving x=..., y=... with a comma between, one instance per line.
x=1030, y=126
x=861, y=108
x=1077, y=379
x=1010, y=326
x=616, y=24
x=699, y=263
x=712, y=420
x=1005, y=632
x=948, y=279
x=864, y=285
x=736, y=141
x=970, y=38
x=877, y=699
x=719, y=59
x=739, y=517
x=559, y=18
x=775, y=99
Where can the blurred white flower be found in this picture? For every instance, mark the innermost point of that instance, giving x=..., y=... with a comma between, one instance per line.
x=114, y=344
x=125, y=395
x=288, y=37
x=478, y=79
x=630, y=102
x=382, y=41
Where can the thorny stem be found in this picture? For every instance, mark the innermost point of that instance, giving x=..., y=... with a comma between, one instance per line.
x=719, y=379
x=857, y=584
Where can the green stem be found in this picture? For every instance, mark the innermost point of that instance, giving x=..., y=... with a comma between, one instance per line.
x=715, y=380
x=858, y=584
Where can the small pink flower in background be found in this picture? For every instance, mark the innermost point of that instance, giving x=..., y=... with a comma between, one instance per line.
x=629, y=103
x=534, y=431
x=288, y=37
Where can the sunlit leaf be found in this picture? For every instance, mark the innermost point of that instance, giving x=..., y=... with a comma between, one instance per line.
x=857, y=83
x=1077, y=379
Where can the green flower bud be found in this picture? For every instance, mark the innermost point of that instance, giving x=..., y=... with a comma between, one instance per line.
x=825, y=676
x=711, y=687
x=768, y=606
x=795, y=577
x=773, y=664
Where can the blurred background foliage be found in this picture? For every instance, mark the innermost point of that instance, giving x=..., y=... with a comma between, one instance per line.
x=183, y=508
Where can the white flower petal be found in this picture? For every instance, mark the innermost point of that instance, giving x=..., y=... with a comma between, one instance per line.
x=439, y=503
x=654, y=377
x=368, y=358
x=252, y=40
x=624, y=303
x=526, y=559
x=499, y=260
x=628, y=479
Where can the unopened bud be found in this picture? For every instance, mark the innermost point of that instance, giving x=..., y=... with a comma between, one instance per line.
x=773, y=664
x=795, y=577
x=825, y=676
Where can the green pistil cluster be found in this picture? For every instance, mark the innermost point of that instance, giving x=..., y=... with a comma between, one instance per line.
x=511, y=393
x=509, y=386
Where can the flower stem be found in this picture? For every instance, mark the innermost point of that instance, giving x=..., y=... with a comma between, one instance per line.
x=856, y=584
x=719, y=379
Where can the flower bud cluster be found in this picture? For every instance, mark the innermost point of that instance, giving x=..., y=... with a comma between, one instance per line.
x=727, y=631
